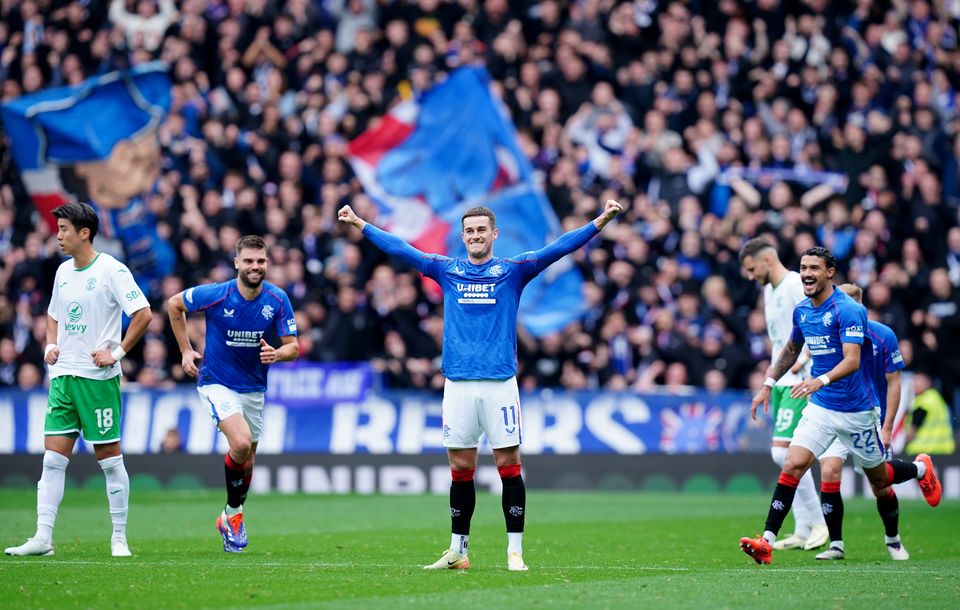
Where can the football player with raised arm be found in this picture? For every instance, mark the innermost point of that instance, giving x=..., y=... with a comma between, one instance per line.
x=481, y=295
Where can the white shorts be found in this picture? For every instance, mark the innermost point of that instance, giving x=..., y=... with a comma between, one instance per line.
x=838, y=450
x=858, y=433
x=474, y=407
x=224, y=402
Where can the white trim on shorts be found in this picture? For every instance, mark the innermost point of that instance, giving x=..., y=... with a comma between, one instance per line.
x=225, y=402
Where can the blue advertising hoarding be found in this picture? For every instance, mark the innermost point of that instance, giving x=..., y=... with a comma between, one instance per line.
x=313, y=408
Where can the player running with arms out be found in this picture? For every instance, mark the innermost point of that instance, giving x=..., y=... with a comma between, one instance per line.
x=840, y=407
x=240, y=315
x=882, y=363
x=481, y=296
x=782, y=292
x=91, y=292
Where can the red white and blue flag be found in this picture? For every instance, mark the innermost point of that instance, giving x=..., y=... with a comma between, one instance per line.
x=430, y=159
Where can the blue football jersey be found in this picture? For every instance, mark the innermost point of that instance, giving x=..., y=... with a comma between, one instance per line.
x=825, y=329
x=234, y=328
x=884, y=358
x=480, y=302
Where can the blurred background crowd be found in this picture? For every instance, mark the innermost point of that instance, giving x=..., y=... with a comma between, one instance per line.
x=817, y=122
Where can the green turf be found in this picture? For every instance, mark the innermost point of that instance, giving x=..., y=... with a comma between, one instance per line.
x=585, y=550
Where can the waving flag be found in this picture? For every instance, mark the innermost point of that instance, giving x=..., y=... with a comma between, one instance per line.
x=96, y=142
x=429, y=160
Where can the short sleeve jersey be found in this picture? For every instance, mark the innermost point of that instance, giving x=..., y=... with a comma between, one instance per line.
x=234, y=328
x=838, y=320
x=88, y=305
x=778, y=305
x=884, y=358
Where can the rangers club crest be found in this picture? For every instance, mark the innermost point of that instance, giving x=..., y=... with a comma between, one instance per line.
x=267, y=312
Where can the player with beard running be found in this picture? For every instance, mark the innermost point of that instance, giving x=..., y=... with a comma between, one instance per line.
x=840, y=405
x=481, y=295
x=782, y=292
x=232, y=378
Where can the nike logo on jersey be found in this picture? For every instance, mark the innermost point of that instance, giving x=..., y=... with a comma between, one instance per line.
x=228, y=313
x=62, y=284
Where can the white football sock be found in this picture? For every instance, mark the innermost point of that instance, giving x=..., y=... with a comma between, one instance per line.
x=769, y=536
x=118, y=492
x=458, y=543
x=50, y=493
x=893, y=540
x=779, y=455
x=921, y=469
x=231, y=511
x=515, y=542
x=836, y=544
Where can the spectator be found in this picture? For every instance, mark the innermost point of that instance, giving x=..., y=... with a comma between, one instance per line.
x=930, y=429
x=716, y=127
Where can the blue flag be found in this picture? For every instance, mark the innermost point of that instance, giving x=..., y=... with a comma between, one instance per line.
x=97, y=142
x=428, y=161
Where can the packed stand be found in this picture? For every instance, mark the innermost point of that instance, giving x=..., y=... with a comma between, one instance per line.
x=811, y=121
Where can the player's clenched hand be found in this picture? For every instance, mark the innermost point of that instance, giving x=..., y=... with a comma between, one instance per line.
x=52, y=355
x=612, y=208
x=268, y=354
x=610, y=211
x=347, y=215
x=103, y=357
x=189, y=362
x=885, y=435
x=761, y=398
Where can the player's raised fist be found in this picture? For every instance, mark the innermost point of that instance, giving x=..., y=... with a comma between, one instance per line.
x=613, y=207
x=346, y=214
x=610, y=211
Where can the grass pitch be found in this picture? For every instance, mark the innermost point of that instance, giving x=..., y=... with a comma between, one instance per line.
x=585, y=550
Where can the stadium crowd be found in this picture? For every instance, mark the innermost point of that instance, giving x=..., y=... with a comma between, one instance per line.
x=815, y=122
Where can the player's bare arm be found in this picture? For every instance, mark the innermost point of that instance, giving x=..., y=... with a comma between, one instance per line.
x=788, y=357
x=348, y=216
x=289, y=350
x=138, y=325
x=177, y=312
x=51, y=353
x=849, y=364
x=611, y=210
x=893, y=403
x=801, y=361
